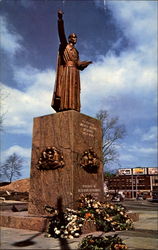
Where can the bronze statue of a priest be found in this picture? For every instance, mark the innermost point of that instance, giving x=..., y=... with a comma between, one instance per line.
x=66, y=94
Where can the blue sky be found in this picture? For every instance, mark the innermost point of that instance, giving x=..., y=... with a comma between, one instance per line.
x=120, y=37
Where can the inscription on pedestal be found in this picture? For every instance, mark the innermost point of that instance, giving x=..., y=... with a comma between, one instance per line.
x=87, y=128
x=89, y=189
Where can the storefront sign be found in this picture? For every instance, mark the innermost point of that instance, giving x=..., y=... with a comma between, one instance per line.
x=125, y=171
x=153, y=171
x=139, y=171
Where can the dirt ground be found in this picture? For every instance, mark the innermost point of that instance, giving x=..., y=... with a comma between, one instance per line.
x=17, y=186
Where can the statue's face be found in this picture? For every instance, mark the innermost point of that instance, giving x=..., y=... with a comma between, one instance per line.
x=73, y=38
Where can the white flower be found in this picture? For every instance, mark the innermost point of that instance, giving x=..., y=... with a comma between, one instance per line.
x=128, y=221
x=69, y=218
x=70, y=237
x=57, y=232
x=95, y=205
x=76, y=234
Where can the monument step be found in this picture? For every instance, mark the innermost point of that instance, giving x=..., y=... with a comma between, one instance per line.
x=23, y=220
x=15, y=206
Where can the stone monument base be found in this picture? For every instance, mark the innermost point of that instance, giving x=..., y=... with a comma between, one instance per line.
x=66, y=161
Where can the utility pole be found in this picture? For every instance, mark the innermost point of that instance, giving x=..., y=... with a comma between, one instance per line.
x=132, y=184
x=136, y=187
x=151, y=186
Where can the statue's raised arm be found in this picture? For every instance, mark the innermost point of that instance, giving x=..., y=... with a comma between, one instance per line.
x=61, y=30
x=67, y=85
x=60, y=14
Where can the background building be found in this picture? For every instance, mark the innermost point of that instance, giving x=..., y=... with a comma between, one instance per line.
x=134, y=183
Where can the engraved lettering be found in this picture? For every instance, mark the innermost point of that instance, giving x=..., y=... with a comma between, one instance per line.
x=87, y=128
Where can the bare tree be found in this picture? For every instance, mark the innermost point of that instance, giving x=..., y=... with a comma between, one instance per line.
x=12, y=167
x=113, y=132
x=3, y=111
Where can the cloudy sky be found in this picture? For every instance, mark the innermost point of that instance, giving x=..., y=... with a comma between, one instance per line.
x=120, y=37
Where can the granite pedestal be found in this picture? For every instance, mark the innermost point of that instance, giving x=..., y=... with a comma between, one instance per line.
x=73, y=136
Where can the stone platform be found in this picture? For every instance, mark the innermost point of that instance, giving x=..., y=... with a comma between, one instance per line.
x=23, y=220
x=11, y=205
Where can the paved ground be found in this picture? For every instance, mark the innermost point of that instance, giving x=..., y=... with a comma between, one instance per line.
x=144, y=237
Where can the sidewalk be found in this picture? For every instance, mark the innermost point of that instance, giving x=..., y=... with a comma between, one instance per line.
x=144, y=237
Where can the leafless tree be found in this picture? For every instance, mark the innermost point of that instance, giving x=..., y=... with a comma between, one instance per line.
x=112, y=133
x=12, y=167
x=3, y=111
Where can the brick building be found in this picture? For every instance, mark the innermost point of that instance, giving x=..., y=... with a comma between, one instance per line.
x=134, y=182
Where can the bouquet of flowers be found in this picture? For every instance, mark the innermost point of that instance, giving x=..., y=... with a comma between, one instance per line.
x=106, y=216
x=91, y=242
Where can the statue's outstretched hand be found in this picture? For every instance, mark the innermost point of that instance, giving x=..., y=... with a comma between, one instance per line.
x=60, y=14
x=82, y=65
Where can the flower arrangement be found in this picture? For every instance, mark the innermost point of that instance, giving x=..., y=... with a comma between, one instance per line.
x=106, y=216
x=67, y=224
x=91, y=242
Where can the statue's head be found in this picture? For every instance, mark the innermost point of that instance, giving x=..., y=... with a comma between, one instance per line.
x=72, y=38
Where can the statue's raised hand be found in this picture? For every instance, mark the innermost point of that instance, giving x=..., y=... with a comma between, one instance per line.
x=60, y=14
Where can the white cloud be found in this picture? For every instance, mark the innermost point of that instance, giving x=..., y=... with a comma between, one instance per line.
x=150, y=135
x=140, y=149
x=117, y=76
x=127, y=157
x=23, y=152
x=137, y=19
x=35, y=101
x=10, y=41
